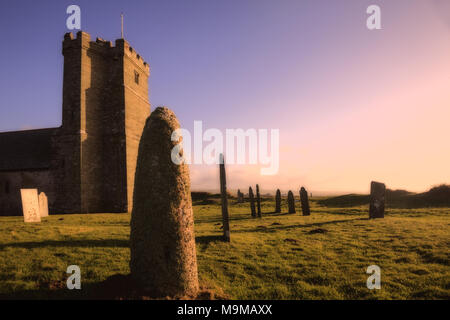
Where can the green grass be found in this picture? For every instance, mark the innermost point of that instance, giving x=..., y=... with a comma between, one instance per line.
x=276, y=257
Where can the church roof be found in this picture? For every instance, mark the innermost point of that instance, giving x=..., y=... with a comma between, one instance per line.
x=22, y=150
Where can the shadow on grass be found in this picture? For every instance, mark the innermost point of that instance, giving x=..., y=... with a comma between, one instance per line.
x=112, y=243
x=298, y=226
x=115, y=287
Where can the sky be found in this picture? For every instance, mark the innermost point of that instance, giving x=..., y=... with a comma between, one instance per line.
x=351, y=104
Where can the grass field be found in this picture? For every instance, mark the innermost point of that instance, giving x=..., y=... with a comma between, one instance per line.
x=280, y=256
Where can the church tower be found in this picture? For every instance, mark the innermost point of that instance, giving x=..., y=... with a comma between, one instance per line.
x=105, y=106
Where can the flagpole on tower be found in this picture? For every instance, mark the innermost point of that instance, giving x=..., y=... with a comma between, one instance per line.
x=121, y=18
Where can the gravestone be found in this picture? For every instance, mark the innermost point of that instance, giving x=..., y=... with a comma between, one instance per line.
x=240, y=196
x=278, y=201
x=30, y=205
x=304, y=201
x=43, y=204
x=258, y=201
x=377, y=200
x=162, y=242
x=291, y=202
x=252, y=201
x=223, y=192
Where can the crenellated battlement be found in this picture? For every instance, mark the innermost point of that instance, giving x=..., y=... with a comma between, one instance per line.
x=122, y=47
x=131, y=53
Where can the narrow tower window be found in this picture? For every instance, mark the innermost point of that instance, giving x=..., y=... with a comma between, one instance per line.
x=136, y=77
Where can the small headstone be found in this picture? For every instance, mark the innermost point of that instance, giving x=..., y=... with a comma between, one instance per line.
x=252, y=201
x=162, y=241
x=291, y=202
x=43, y=204
x=304, y=201
x=258, y=201
x=240, y=196
x=377, y=200
x=223, y=192
x=278, y=201
x=30, y=205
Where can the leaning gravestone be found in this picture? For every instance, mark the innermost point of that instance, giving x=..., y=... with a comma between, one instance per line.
x=43, y=204
x=304, y=201
x=30, y=205
x=252, y=201
x=162, y=241
x=377, y=200
x=258, y=201
x=291, y=202
x=278, y=201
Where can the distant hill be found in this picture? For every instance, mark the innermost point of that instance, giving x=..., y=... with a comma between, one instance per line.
x=436, y=197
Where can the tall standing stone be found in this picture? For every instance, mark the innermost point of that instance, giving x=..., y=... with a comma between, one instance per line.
x=223, y=192
x=291, y=202
x=377, y=200
x=252, y=201
x=258, y=201
x=30, y=205
x=278, y=201
x=43, y=204
x=163, y=254
x=304, y=201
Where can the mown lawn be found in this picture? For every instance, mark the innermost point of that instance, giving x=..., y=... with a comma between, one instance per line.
x=323, y=256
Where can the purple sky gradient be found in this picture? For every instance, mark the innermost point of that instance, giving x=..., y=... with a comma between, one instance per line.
x=304, y=67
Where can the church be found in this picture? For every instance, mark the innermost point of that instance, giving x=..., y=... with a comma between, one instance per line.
x=86, y=165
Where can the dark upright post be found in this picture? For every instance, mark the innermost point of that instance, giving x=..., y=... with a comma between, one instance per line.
x=258, y=201
x=291, y=202
x=377, y=200
x=304, y=201
x=223, y=191
x=252, y=201
x=278, y=201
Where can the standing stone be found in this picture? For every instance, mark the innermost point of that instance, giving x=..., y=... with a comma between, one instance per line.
x=162, y=241
x=291, y=202
x=278, y=201
x=43, y=205
x=223, y=192
x=252, y=201
x=30, y=205
x=240, y=196
x=377, y=200
x=304, y=201
x=258, y=201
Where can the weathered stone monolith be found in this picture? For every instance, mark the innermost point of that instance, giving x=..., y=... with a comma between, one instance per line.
x=291, y=202
x=252, y=201
x=304, y=201
x=223, y=192
x=377, y=200
x=258, y=201
x=162, y=241
x=278, y=201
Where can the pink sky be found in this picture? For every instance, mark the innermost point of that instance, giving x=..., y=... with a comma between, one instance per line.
x=391, y=118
